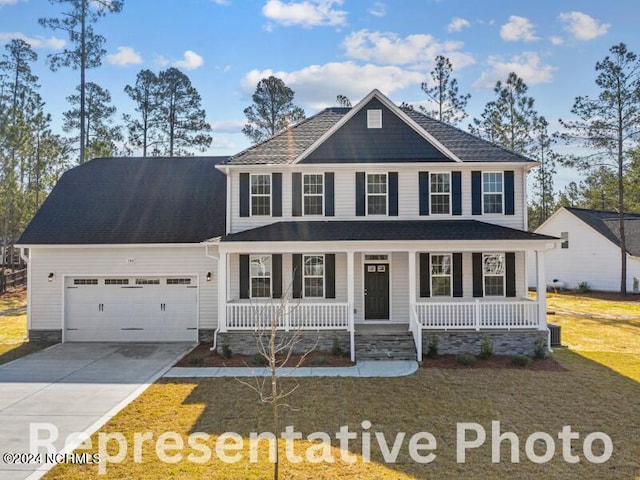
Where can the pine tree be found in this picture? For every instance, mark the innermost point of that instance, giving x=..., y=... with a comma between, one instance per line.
x=444, y=93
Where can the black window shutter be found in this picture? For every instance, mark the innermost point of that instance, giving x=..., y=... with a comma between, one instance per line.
x=509, y=193
x=330, y=275
x=360, y=193
x=244, y=276
x=297, y=275
x=244, y=194
x=296, y=194
x=393, y=194
x=478, y=290
x=276, y=194
x=276, y=275
x=425, y=275
x=456, y=193
x=510, y=271
x=329, y=192
x=457, y=275
x=423, y=187
x=476, y=193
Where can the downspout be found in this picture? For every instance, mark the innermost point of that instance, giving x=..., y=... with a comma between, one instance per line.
x=26, y=259
x=215, y=332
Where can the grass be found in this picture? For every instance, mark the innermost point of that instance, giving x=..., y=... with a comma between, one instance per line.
x=13, y=327
x=598, y=391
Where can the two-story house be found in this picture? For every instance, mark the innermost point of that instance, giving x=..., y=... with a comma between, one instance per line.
x=356, y=220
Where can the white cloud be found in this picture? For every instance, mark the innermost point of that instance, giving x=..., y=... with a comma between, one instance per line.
x=53, y=43
x=308, y=13
x=222, y=143
x=518, y=29
x=125, y=56
x=583, y=26
x=388, y=49
x=190, y=61
x=221, y=2
x=557, y=40
x=316, y=86
x=378, y=9
x=161, y=61
x=227, y=126
x=457, y=24
x=8, y=2
x=527, y=66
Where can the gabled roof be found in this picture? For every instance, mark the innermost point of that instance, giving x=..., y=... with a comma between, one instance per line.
x=394, y=230
x=330, y=137
x=131, y=201
x=606, y=223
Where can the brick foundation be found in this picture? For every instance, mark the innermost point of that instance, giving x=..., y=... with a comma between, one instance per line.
x=45, y=336
x=245, y=342
x=514, y=342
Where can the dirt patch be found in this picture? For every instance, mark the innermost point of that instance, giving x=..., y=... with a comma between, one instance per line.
x=495, y=362
x=201, y=356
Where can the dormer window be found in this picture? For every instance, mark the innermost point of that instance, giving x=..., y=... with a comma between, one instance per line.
x=374, y=118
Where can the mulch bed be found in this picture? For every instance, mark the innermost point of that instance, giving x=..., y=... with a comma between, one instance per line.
x=201, y=356
x=20, y=293
x=496, y=361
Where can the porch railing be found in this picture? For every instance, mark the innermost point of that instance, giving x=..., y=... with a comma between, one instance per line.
x=416, y=329
x=288, y=316
x=477, y=315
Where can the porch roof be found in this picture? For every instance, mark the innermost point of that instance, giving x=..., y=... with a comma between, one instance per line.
x=392, y=230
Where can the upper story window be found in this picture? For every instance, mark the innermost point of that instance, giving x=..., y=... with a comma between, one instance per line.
x=313, y=276
x=493, y=268
x=565, y=239
x=440, y=188
x=260, y=273
x=441, y=275
x=492, y=192
x=377, y=194
x=261, y=194
x=313, y=194
x=374, y=118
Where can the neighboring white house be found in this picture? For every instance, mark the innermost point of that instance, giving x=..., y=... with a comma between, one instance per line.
x=590, y=249
x=371, y=215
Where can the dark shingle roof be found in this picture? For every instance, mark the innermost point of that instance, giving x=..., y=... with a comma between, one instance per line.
x=364, y=230
x=606, y=223
x=133, y=200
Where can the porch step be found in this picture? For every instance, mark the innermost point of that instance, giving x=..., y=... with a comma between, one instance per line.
x=385, y=346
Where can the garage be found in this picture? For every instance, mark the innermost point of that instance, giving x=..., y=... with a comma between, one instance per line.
x=131, y=309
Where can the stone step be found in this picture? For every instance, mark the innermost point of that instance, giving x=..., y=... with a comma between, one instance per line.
x=385, y=346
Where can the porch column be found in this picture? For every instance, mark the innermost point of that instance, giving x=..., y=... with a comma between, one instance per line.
x=541, y=290
x=222, y=291
x=412, y=278
x=351, y=302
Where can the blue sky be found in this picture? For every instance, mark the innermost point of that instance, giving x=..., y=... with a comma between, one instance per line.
x=322, y=48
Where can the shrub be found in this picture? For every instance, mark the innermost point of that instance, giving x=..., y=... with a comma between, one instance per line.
x=432, y=349
x=465, y=359
x=540, y=348
x=196, y=361
x=583, y=287
x=336, y=349
x=521, y=360
x=486, y=348
x=226, y=351
x=320, y=360
x=259, y=360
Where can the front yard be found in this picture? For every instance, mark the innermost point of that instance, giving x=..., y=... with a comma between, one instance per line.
x=599, y=391
x=13, y=327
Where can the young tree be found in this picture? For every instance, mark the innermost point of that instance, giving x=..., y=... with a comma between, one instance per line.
x=609, y=125
x=444, y=93
x=142, y=130
x=178, y=116
x=343, y=101
x=86, y=49
x=543, y=200
x=101, y=132
x=272, y=110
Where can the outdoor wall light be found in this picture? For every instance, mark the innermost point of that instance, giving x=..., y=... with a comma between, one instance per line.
x=208, y=276
x=50, y=277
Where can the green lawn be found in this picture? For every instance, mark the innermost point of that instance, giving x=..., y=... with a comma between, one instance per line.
x=598, y=392
x=13, y=327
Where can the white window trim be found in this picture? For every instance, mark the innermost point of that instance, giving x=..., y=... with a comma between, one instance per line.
x=324, y=274
x=366, y=195
x=313, y=195
x=493, y=193
x=251, y=276
x=439, y=194
x=363, y=271
x=504, y=275
x=252, y=195
x=450, y=275
x=565, y=240
x=373, y=115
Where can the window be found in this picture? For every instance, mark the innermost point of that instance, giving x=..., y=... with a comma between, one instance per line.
x=313, y=273
x=374, y=118
x=440, y=188
x=493, y=274
x=492, y=192
x=377, y=194
x=441, y=275
x=260, y=194
x=85, y=281
x=178, y=281
x=312, y=194
x=260, y=271
x=565, y=239
x=376, y=258
x=147, y=281
x=116, y=281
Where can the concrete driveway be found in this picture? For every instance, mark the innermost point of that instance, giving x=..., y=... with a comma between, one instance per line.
x=75, y=386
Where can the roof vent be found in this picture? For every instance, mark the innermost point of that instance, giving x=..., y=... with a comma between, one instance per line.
x=374, y=118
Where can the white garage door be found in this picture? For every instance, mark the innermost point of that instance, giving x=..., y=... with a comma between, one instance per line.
x=131, y=309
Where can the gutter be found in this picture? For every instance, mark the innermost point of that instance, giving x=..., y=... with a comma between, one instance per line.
x=215, y=332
